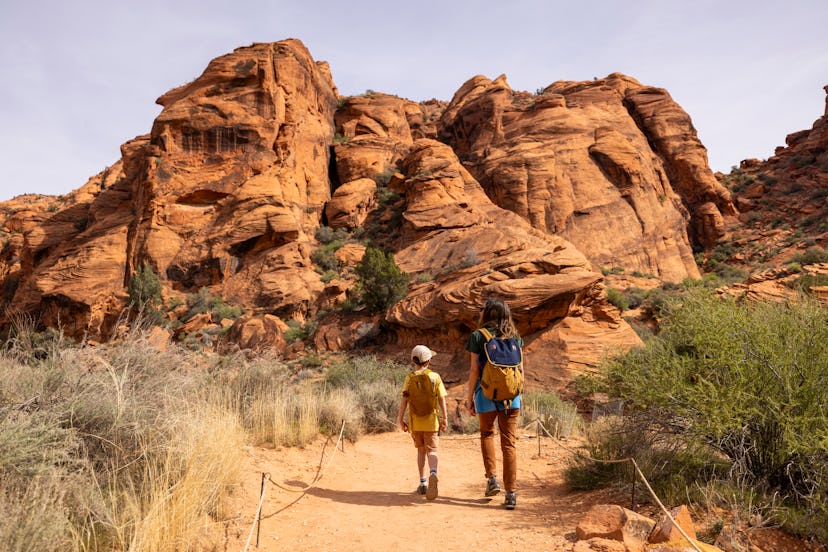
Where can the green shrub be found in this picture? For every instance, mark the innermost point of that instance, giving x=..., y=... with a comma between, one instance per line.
x=617, y=299
x=204, y=301
x=325, y=257
x=805, y=282
x=144, y=288
x=812, y=255
x=326, y=235
x=745, y=381
x=382, y=179
x=380, y=282
x=377, y=385
x=298, y=332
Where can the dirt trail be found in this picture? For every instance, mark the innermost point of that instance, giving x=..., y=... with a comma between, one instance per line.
x=366, y=499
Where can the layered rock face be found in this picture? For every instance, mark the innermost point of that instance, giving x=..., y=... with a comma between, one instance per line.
x=523, y=197
x=223, y=192
x=613, y=166
x=471, y=249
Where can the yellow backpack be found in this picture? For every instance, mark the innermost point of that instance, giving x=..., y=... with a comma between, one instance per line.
x=421, y=394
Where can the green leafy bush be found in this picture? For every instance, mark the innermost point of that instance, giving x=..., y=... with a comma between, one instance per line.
x=380, y=281
x=811, y=255
x=746, y=381
x=325, y=257
x=204, y=301
x=144, y=288
x=617, y=299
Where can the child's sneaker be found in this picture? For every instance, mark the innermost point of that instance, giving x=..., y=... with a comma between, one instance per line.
x=431, y=492
x=511, y=501
x=422, y=489
x=492, y=486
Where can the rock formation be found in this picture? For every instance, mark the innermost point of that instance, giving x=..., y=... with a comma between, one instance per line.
x=525, y=197
x=611, y=165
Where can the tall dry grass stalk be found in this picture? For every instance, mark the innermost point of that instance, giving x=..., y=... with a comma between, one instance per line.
x=184, y=483
x=285, y=417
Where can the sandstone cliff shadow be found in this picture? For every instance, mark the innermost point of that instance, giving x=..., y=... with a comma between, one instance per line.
x=388, y=498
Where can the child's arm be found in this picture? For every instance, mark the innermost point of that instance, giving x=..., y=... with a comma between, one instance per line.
x=444, y=419
x=401, y=415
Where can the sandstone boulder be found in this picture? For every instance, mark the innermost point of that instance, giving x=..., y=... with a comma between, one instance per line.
x=253, y=335
x=350, y=203
x=612, y=522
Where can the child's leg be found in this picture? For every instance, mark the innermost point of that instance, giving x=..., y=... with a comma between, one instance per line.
x=431, y=440
x=421, y=462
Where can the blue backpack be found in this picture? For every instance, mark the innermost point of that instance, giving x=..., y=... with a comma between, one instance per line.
x=502, y=368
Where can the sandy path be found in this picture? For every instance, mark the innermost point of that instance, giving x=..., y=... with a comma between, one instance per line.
x=366, y=499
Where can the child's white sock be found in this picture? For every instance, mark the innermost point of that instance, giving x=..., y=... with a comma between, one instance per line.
x=423, y=480
x=433, y=472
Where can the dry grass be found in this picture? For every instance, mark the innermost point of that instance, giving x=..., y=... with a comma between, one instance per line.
x=128, y=447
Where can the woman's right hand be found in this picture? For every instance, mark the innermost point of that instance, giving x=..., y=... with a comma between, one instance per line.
x=470, y=407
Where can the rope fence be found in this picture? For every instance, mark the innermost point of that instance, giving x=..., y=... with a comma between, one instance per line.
x=257, y=522
x=320, y=473
x=640, y=474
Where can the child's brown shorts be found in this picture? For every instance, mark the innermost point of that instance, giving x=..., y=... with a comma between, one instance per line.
x=427, y=439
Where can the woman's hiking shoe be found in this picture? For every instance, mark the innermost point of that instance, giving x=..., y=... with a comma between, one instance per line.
x=492, y=487
x=431, y=492
x=511, y=501
x=422, y=489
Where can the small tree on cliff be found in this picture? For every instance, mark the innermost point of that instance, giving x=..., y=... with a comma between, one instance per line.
x=381, y=283
x=144, y=288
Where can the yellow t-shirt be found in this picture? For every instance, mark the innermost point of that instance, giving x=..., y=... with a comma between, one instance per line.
x=432, y=421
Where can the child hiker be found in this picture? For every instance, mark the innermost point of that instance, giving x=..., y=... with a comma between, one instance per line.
x=422, y=392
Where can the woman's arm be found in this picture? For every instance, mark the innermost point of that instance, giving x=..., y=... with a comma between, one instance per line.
x=474, y=373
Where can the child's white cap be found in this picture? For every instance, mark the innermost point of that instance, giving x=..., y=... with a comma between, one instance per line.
x=421, y=354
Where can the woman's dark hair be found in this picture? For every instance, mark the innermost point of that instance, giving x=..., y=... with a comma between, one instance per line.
x=497, y=315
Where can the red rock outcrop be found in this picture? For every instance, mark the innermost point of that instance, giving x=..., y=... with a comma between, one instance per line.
x=245, y=163
x=224, y=192
x=463, y=248
x=576, y=160
x=791, y=187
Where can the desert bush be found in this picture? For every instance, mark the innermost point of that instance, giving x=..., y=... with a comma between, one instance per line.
x=380, y=281
x=745, y=381
x=377, y=385
x=357, y=371
x=204, y=301
x=325, y=256
x=326, y=235
x=144, y=288
x=811, y=255
x=559, y=417
x=805, y=282
x=341, y=405
x=616, y=298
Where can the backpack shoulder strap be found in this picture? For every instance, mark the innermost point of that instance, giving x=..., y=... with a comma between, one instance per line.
x=486, y=334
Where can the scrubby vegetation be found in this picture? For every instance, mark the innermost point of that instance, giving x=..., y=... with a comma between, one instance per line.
x=726, y=406
x=380, y=282
x=125, y=446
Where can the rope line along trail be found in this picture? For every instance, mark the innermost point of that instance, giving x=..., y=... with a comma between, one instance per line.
x=640, y=474
x=320, y=473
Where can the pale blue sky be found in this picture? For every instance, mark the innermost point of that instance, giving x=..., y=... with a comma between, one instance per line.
x=80, y=78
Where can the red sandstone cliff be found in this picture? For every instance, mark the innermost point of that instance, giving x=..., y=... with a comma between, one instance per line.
x=526, y=198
